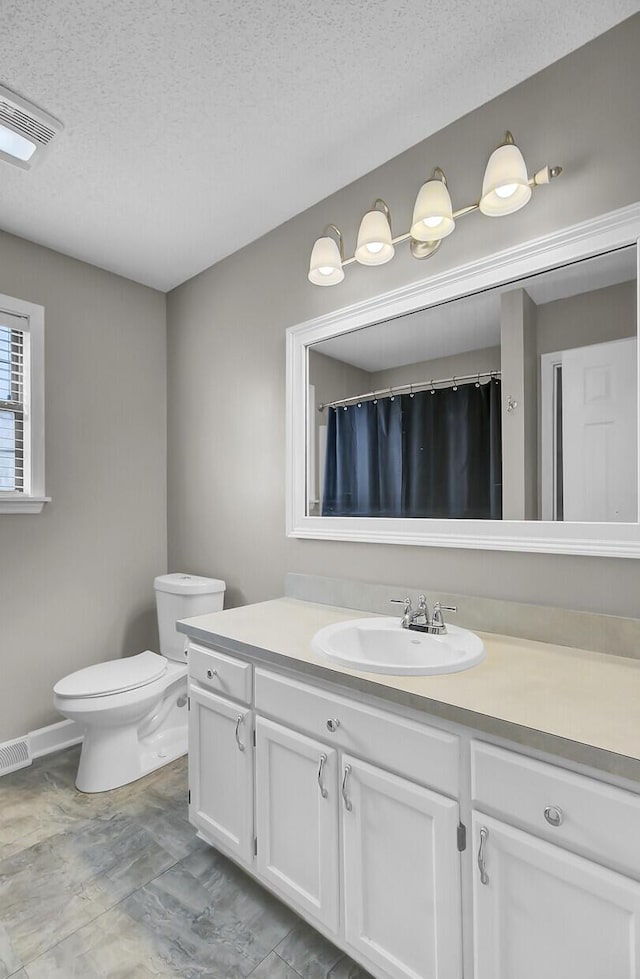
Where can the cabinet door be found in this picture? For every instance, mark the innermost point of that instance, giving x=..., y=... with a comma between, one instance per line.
x=221, y=772
x=543, y=911
x=297, y=819
x=402, y=902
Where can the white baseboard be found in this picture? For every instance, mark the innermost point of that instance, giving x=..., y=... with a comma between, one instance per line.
x=54, y=737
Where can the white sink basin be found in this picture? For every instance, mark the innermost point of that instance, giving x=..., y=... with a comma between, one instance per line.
x=381, y=645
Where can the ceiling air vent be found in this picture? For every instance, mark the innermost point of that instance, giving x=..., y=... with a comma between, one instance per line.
x=25, y=130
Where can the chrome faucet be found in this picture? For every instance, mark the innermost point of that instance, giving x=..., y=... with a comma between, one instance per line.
x=418, y=618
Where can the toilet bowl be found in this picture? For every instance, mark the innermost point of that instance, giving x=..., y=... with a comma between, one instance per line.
x=133, y=711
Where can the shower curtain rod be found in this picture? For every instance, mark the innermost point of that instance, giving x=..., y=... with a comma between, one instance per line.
x=390, y=392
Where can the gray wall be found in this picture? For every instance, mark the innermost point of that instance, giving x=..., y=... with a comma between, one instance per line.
x=469, y=362
x=226, y=342
x=592, y=317
x=76, y=580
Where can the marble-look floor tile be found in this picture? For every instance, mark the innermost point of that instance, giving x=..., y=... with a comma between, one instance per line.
x=306, y=951
x=10, y=962
x=346, y=968
x=217, y=925
x=273, y=967
x=55, y=887
x=41, y=801
x=111, y=947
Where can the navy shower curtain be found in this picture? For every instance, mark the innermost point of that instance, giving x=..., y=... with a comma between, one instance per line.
x=426, y=455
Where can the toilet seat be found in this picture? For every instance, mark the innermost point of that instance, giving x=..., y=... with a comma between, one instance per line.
x=114, y=676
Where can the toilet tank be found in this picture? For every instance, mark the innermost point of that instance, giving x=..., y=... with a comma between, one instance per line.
x=181, y=596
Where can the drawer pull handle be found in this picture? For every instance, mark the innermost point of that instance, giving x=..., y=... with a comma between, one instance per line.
x=323, y=791
x=484, y=876
x=554, y=815
x=333, y=724
x=212, y=673
x=239, y=720
x=347, y=801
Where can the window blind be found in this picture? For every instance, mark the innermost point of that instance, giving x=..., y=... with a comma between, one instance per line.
x=13, y=386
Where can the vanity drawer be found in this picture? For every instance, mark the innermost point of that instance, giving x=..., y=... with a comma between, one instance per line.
x=419, y=752
x=596, y=819
x=217, y=671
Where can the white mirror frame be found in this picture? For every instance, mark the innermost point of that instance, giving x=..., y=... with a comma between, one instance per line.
x=602, y=234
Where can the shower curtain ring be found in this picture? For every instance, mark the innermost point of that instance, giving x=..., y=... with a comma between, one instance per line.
x=433, y=390
x=455, y=385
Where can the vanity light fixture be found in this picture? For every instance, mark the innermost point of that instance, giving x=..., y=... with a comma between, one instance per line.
x=506, y=188
x=375, y=244
x=433, y=212
x=327, y=258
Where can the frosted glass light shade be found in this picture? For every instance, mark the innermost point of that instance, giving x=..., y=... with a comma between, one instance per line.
x=374, y=245
x=432, y=213
x=505, y=187
x=325, y=266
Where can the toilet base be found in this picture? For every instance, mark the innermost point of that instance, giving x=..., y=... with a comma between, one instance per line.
x=114, y=755
x=112, y=758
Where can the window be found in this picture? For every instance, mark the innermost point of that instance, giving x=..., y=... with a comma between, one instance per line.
x=21, y=406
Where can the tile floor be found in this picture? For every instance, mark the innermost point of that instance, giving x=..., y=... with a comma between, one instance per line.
x=116, y=886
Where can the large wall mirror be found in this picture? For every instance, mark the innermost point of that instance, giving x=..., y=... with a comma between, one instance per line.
x=493, y=407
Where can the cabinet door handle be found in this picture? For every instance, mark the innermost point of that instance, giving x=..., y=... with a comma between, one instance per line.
x=484, y=876
x=211, y=674
x=323, y=791
x=239, y=720
x=333, y=724
x=347, y=801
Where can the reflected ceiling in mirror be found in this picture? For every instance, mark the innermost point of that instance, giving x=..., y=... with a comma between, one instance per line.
x=517, y=402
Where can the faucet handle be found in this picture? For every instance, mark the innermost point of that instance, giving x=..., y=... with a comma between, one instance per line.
x=438, y=622
x=402, y=601
x=422, y=603
x=444, y=608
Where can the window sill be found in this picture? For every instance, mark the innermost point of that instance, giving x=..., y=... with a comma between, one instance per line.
x=22, y=504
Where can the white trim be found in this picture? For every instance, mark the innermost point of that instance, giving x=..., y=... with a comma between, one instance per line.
x=32, y=323
x=19, y=503
x=604, y=233
x=54, y=737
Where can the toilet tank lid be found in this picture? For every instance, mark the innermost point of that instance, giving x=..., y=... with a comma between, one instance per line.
x=113, y=676
x=188, y=584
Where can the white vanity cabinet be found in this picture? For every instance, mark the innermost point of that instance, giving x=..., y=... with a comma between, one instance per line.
x=541, y=909
x=351, y=814
x=351, y=828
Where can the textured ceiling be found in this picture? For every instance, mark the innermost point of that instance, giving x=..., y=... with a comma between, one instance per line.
x=194, y=127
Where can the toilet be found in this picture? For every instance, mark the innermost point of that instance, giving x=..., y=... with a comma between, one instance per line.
x=133, y=711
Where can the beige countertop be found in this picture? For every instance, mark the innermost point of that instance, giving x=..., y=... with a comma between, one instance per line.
x=550, y=697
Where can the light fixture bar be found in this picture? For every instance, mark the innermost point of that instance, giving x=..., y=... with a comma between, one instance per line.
x=534, y=182
x=506, y=188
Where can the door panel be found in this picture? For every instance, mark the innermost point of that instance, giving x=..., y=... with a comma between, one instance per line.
x=220, y=772
x=401, y=874
x=546, y=912
x=599, y=432
x=297, y=819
